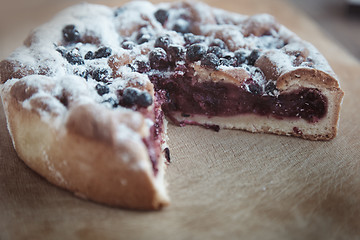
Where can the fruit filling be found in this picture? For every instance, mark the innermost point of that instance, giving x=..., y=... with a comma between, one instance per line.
x=156, y=139
x=225, y=99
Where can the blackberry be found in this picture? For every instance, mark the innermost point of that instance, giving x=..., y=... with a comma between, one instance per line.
x=161, y=16
x=195, y=52
x=112, y=101
x=83, y=74
x=70, y=33
x=270, y=88
x=255, y=89
x=218, y=42
x=141, y=66
x=227, y=55
x=127, y=44
x=143, y=36
x=210, y=60
x=163, y=42
x=181, y=67
x=158, y=58
x=191, y=38
x=227, y=62
x=175, y=53
x=61, y=50
x=89, y=55
x=181, y=26
x=129, y=97
x=144, y=99
x=100, y=75
x=240, y=57
x=167, y=154
x=102, y=89
x=103, y=52
x=254, y=55
x=215, y=50
x=143, y=39
x=74, y=57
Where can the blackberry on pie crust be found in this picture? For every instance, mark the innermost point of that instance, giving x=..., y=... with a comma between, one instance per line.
x=88, y=96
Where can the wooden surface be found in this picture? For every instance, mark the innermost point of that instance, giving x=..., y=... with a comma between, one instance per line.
x=229, y=185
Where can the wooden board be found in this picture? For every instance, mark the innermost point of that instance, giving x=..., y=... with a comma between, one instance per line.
x=230, y=185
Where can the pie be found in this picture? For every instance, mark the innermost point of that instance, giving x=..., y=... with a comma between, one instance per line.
x=88, y=95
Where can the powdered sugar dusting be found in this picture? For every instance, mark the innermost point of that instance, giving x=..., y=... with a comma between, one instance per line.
x=110, y=48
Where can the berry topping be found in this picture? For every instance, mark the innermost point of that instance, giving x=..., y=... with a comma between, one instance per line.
x=143, y=36
x=161, y=15
x=191, y=38
x=61, y=50
x=175, y=53
x=254, y=55
x=240, y=57
x=129, y=97
x=195, y=52
x=113, y=102
x=74, y=57
x=144, y=99
x=270, y=88
x=163, y=42
x=70, y=33
x=127, y=44
x=100, y=75
x=215, y=50
x=158, y=58
x=181, y=67
x=89, y=55
x=81, y=73
x=255, y=89
x=103, y=52
x=182, y=26
x=167, y=154
x=132, y=96
x=227, y=62
x=210, y=60
x=228, y=55
x=141, y=66
x=219, y=43
x=102, y=89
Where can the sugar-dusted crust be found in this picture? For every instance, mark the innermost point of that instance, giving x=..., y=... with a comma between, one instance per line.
x=84, y=97
x=85, y=156
x=288, y=78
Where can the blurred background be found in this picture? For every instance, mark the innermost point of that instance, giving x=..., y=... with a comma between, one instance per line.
x=339, y=19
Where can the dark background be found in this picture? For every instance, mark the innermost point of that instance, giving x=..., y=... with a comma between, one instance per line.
x=340, y=20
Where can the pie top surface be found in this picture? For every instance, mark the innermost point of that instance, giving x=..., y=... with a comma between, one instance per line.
x=93, y=54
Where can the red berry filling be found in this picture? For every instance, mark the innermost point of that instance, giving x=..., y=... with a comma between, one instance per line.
x=155, y=140
x=224, y=99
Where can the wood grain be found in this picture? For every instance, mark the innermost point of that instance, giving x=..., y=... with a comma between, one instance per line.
x=231, y=184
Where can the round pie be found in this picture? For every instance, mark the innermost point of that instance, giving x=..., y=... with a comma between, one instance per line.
x=88, y=95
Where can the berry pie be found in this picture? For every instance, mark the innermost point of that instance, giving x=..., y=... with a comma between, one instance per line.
x=88, y=95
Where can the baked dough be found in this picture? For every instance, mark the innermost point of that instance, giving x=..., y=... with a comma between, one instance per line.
x=85, y=97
